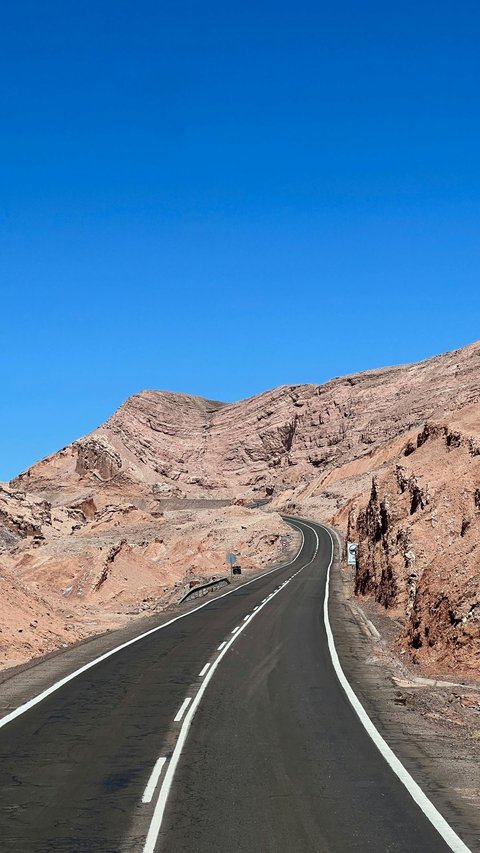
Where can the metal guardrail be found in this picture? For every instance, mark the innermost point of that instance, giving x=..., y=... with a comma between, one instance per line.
x=203, y=588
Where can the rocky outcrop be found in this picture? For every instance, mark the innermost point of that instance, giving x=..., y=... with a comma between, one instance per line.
x=419, y=543
x=374, y=573
x=109, y=559
x=21, y=516
x=96, y=457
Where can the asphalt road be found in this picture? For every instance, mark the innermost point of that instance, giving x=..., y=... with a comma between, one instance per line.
x=275, y=759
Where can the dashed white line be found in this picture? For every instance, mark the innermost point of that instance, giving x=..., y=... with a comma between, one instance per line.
x=182, y=709
x=152, y=782
x=453, y=841
x=156, y=823
x=246, y=617
x=203, y=671
x=222, y=646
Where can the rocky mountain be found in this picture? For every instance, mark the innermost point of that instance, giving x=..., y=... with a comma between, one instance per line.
x=162, y=482
x=179, y=445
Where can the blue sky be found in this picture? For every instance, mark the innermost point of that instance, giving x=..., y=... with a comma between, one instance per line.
x=220, y=198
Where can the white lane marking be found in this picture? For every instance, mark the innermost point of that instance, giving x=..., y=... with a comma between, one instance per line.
x=222, y=646
x=61, y=683
x=246, y=617
x=255, y=608
x=157, y=818
x=203, y=671
x=430, y=811
x=152, y=782
x=182, y=709
x=235, y=629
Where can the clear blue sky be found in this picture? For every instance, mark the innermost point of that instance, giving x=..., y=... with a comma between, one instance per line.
x=219, y=198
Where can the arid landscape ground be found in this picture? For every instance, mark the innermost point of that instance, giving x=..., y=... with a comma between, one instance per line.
x=118, y=523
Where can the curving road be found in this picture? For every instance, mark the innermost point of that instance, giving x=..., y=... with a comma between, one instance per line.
x=267, y=754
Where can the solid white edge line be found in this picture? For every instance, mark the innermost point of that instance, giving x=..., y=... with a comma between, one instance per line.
x=156, y=822
x=152, y=782
x=182, y=709
x=430, y=811
x=203, y=671
x=8, y=718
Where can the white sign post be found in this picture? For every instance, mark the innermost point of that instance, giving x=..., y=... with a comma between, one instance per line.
x=352, y=553
x=231, y=560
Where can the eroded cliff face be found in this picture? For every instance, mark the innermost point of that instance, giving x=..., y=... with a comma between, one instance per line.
x=104, y=508
x=21, y=517
x=419, y=542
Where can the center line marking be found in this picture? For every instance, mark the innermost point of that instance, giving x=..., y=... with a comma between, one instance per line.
x=152, y=782
x=203, y=671
x=156, y=822
x=182, y=709
x=222, y=646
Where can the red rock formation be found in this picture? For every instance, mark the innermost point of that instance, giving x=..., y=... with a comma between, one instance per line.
x=419, y=542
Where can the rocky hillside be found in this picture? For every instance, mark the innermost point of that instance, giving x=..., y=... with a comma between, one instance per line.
x=164, y=444
x=108, y=525
x=413, y=505
x=419, y=542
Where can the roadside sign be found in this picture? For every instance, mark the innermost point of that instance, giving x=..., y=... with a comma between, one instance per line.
x=231, y=559
x=352, y=553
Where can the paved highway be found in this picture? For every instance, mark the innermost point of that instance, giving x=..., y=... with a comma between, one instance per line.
x=226, y=730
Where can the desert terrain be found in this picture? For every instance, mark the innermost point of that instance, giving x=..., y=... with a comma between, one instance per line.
x=118, y=523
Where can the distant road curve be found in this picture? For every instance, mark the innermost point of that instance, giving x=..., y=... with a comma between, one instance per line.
x=231, y=728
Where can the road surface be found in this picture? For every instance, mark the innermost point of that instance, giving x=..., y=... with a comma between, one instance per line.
x=275, y=759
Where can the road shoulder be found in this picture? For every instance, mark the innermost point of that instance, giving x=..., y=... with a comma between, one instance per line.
x=432, y=726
